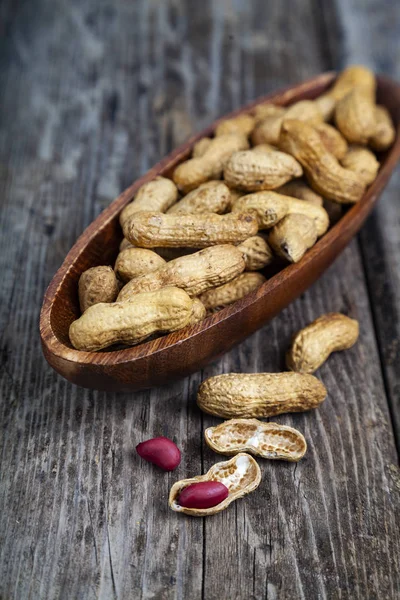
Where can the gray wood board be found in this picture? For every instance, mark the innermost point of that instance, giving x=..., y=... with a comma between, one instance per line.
x=92, y=94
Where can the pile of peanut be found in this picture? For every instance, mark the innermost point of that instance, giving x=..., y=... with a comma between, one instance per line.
x=267, y=185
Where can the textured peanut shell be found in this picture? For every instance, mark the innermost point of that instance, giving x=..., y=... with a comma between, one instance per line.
x=326, y=105
x=257, y=254
x=363, y=162
x=352, y=77
x=324, y=173
x=200, y=147
x=332, y=139
x=267, y=440
x=355, y=116
x=132, y=322
x=293, y=236
x=313, y=345
x=156, y=196
x=304, y=110
x=192, y=173
x=256, y=171
x=231, y=292
x=317, y=213
x=195, y=273
x=133, y=262
x=150, y=230
x=210, y=197
x=267, y=131
x=243, y=124
x=384, y=133
x=241, y=475
x=267, y=110
x=301, y=190
x=234, y=395
x=98, y=284
x=265, y=148
x=268, y=207
x=198, y=312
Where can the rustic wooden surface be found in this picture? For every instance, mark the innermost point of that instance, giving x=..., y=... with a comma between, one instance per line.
x=92, y=94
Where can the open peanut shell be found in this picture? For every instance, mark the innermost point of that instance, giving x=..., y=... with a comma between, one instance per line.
x=241, y=475
x=268, y=440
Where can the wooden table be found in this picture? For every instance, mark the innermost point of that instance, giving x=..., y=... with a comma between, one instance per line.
x=93, y=92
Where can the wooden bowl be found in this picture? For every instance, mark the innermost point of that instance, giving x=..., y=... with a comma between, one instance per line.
x=188, y=350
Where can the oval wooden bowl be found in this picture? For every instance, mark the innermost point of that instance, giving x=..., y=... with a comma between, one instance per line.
x=188, y=350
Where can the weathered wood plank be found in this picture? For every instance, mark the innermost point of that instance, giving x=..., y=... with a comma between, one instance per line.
x=93, y=94
x=380, y=238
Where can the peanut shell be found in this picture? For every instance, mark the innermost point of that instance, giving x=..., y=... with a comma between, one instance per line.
x=267, y=440
x=97, y=284
x=293, y=236
x=232, y=291
x=241, y=475
x=210, y=197
x=156, y=196
x=133, y=262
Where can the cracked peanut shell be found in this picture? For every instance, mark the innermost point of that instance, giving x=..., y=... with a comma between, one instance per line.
x=241, y=475
x=267, y=440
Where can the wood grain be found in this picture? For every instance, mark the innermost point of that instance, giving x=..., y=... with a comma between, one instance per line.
x=94, y=93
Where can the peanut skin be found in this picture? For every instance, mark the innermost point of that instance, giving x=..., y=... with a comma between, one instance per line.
x=192, y=173
x=259, y=394
x=313, y=345
x=255, y=171
x=231, y=292
x=133, y=262
x=98, y=284
x=210, y=197
x=324, y=173
x=293, y=236
x=195, y=273
x=132, y=322
x=150, y=230
x=156, y=195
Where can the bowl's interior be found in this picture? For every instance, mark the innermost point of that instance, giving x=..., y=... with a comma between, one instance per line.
x=99, y=245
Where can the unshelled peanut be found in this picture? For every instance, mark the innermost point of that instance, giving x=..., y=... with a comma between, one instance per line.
x=355, y=116
x=384, y=133
x=156, y=195
x=257, y=253
x=267, y=440
x=97, y=284
x=332, y=139
x=228, y=293
x=102, y=325
x=268, y=130
x=293, y=236
x=195, y=171
x=133, y=262
x=200, y=147
x=259, y=394
x=362, y=161
x=252, y=172
x=301, y=190
x=268, y=207
x=241, y=475
x=243, y=124
x=150, y=230
x=210, y=197
x=313, y=345
x=322, y=169
x=195, y=273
